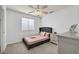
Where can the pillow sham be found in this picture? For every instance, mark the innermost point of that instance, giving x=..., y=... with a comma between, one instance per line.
x=42, y=33
x=47, y=34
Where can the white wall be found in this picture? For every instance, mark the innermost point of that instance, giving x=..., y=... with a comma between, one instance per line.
x=61, y=20
x=14, y=31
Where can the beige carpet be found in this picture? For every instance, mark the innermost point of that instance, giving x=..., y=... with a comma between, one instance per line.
x=20, y=48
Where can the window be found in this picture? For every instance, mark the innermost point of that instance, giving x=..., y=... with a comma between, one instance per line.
x=27, y=24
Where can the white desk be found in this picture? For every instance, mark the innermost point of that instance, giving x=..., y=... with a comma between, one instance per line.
x=68, y=43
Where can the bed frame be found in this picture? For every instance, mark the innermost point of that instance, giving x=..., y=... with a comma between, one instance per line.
x=41, y=29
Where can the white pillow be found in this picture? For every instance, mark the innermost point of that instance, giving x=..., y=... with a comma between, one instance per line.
x=42, y=33
x=47, y=34
x=77, y=28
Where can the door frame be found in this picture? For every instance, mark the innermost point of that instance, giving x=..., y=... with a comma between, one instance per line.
x=3, y=29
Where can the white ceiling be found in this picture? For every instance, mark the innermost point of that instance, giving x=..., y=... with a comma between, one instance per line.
x=26, y=9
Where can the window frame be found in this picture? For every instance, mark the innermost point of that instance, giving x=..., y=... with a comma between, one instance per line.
x=28, y=26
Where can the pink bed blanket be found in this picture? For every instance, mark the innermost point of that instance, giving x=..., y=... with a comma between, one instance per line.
x=34, y=39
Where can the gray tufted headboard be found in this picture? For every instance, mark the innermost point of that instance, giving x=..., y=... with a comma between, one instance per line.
x=45, y=29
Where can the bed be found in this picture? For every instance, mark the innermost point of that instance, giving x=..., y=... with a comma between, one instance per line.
x=41, y=38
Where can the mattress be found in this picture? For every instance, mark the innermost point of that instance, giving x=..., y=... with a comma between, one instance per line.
x=35, y=39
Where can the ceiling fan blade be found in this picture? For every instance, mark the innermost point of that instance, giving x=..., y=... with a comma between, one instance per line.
x=51, y=11
x=31, y=12
x=45, y=12
x=31, y=6
x=44, y=6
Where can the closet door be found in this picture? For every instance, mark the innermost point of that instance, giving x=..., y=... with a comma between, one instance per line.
x=68, y=45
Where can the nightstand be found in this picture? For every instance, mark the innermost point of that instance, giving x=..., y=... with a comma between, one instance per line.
x=54, y=39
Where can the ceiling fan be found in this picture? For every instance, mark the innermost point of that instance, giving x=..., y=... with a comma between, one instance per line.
x=39, y=10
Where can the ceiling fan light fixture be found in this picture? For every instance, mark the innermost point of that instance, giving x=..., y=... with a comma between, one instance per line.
x=39, y=10
x=39, y=13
